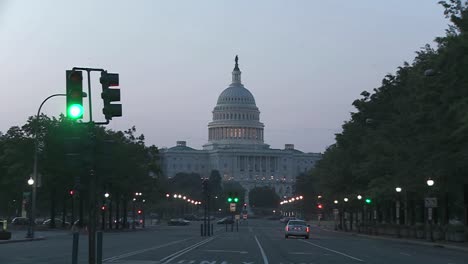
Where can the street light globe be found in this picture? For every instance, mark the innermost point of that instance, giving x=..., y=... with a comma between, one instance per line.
x=106, y=195
x=134, y=199
x=179, y=196
x=167, y=195
x=144, y=201
x=398, y=189
x=345, y=199
x=430, y=182
x=301, y=197
x=31, y=181
x=185, y=197
x=336, y=201
x=359, y=197
x=175, y=195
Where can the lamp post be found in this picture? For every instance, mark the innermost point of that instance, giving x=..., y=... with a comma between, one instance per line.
x=397, y=210
x=344, y=213
x=430, y=182
x=34, y=175
x=30, y=233
x=336, y=214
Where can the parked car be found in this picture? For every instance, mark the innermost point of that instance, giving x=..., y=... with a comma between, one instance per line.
x=225, y=220
x=58, y=222
x=20, y=221
x=178, y=222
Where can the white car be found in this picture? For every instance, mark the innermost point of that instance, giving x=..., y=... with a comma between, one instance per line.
x=297, y=228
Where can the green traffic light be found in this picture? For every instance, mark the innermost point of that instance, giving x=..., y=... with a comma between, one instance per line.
x=236, y=200
x=368, y=201
x=75, y=111
x=229, y=200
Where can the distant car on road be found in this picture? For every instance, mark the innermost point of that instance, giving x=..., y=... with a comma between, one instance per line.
x=287, y=218
x=178, y=222
x=297, y=228
x=225, y=220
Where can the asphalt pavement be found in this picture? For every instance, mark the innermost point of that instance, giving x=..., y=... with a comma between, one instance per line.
x=258, y=241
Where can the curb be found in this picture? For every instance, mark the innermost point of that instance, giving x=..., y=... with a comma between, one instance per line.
x=22, y=240
x=402, y=240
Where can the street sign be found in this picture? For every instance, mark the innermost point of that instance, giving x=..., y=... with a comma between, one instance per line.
x=244, y=216
x=430, y=202
x=237, y=217
x=232, y=207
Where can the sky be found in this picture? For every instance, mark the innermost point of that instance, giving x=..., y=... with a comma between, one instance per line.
x=305, y=62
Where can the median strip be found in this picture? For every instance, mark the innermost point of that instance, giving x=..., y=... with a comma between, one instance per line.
x=184, y=251
x=111, y=259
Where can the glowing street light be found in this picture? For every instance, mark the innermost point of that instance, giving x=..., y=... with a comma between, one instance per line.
x=30, y=181
x=359, y=197
x=430, y=182
x=336, y=201
x=398, y=189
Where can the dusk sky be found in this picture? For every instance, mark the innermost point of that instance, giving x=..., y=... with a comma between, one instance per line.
x=304, y=61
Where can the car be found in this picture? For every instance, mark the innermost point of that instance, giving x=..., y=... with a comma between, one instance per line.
x=287, y=218
x=178, y=222
x=20, y=221
x=58, y=222
x=297, y=228
x=225, y=220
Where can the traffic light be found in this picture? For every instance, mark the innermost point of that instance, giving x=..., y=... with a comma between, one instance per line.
x=236, y=198
x=320, y=206
x=139, y=212
x=229, y=198
x=205, y=186
x=103, y=208
x=74, y=94
x=109, y=95
x=72, y=192
x=368, y=201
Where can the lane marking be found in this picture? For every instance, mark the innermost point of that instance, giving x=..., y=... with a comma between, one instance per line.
x=225, y=251
x=302, y=253
x=334, y=251
x=185, y=250
x=265, y=260
x=111, y=259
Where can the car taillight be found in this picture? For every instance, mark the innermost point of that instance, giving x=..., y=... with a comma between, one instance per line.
x=307, y=229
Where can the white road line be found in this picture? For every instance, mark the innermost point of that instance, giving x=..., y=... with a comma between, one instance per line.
x=265, y=260
x=334, y=251
x=111, y=259
x=185, y=250
x=302, y=253
x=226, y=251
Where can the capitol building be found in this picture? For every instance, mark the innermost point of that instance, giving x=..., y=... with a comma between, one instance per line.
x=236, y=147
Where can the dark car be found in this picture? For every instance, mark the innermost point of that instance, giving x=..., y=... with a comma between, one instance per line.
x=178, y=222
x=20, y=221
x=225, y=220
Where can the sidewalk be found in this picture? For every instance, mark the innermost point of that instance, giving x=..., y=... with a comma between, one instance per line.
x=330, y=226
x=20, y=236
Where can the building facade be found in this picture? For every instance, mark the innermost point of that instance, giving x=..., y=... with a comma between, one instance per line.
x=236, y=147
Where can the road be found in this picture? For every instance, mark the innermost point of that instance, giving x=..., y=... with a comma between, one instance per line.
x=261, y=241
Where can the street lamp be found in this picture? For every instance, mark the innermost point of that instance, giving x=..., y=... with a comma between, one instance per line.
x=397, y=209
x=430, y=182
x=336, y=201
x=359, y=197
x=106, y=195
x=31, y=220
x=346, y=200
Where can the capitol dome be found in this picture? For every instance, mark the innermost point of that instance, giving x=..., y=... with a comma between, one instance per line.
x=236, y=118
